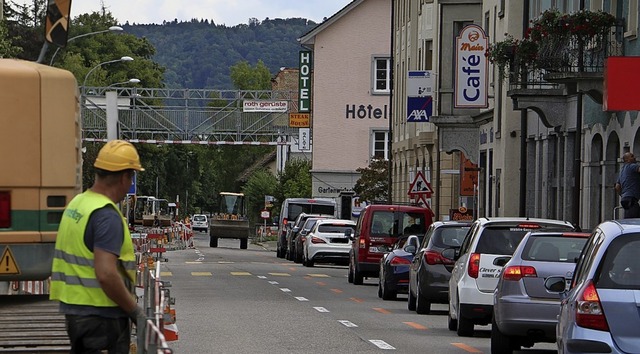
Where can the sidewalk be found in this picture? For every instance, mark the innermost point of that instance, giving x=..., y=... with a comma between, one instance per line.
x=268, y=245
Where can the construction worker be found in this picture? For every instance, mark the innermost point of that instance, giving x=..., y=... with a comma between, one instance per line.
x=94, y=264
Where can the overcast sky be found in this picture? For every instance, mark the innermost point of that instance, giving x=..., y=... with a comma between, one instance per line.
x=228, y=12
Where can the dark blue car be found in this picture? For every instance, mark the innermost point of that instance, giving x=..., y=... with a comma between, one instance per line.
x=394, y=267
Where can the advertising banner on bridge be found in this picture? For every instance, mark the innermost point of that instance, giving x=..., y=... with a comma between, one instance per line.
x=265, y=106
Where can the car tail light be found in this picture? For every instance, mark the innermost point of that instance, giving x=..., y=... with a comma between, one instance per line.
x=317, y=240
x=302, y=239
x=435, y=257
x=474, y=265
x=589, y=313
x=5, y=210
x=285, y=221
x=362, y=243
x=516, y=273
x=396, y=261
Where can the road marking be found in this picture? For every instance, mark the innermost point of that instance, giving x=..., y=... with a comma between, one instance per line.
x=321, y=309
x=381, y=310
x=415, y=325
x=347, y=323
x=321, y=283
x=273, y=282
x=337, y=291
x=280, y=274
x=166, y=274
x=195, y=262
x=225, y=262
x=301, y=298
x=319, y=275
x=293, y=269
x=261, y=277
x=286, y=290
x=306, y=277
x=240, y=273
x=355, y=299
x=201, y=274
x=382, y=344
x=467, y=348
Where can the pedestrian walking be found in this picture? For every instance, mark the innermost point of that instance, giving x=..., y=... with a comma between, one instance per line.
x=94, y=263
x=628, y=186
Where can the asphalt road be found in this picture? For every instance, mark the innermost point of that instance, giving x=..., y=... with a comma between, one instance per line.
x=249, y=301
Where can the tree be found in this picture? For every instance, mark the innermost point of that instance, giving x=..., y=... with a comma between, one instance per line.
x=7, y=49
x=261, y=183
x=373, y=184
x=293, y=182
x=246, y=77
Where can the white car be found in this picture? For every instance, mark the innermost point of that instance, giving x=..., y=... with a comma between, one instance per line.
x=479, y=260
x=200, y=222
x=329, y=241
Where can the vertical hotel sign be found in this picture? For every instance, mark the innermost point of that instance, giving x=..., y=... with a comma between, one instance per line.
x=304, y=84
x=471, y=84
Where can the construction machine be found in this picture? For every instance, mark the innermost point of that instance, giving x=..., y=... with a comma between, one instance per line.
x=230, y=220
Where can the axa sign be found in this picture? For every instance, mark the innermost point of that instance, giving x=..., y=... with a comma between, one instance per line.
x=471, y=84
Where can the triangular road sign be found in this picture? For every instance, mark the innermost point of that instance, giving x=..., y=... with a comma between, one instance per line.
x=420, y=186
x=8, y=264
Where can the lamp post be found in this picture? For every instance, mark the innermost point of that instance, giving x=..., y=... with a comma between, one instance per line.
x=130, y=81
x=84, y=83
x=110, y=29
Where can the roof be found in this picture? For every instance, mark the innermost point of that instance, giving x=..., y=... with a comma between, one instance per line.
x=308, y=39
x=268, y=158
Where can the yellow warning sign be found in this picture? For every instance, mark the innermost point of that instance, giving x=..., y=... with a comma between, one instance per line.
x=8, y=264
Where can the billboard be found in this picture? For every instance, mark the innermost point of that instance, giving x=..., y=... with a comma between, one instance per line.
x=472, y=66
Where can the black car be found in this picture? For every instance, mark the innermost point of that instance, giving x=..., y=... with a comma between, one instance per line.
x=292, y=233
x=394, y=267
x=429, y=271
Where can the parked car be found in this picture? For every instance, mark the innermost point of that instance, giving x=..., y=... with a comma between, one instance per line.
x=524, y=312
x=601, y=311
x=378, y=227
x=394, y=267
x=329, y=241
x=291, y=208
x=200, y=222
x=292, y=233
x=301, y=236
x=474, y=276
x=429, y=271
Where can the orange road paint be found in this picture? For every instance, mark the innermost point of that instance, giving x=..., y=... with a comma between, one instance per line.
x=355, y=299
x=415, y=325
x=321, y=283
x=466, y=348
x=381, y=310
x=337, y=291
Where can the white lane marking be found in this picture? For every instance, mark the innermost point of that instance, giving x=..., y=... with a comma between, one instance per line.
x=301, y=298
x=382, y=344
x=321, y=309
x=273, y=282
x=348, y=323
x=261, y=277
x=286, y=290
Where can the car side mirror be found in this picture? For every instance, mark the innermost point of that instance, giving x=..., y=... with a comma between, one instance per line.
x=450, y=253
x=501, y=261
x=304, y=233
x=555, y=284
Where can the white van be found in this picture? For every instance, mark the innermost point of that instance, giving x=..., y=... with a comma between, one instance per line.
x=200, y=222
x=291, y=208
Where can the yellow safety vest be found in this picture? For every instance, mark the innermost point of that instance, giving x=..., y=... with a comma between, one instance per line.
x=73, y=277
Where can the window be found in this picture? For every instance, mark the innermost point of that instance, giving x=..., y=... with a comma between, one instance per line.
x=380, y=145
x=381, y=75
x=631, y=29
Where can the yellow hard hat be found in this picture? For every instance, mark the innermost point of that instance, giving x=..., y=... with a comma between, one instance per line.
x=118, y=155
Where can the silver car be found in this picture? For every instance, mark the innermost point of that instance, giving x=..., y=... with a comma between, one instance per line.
x=524, y=312
x=601, y=311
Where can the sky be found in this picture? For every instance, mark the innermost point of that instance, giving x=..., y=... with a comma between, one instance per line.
x=227, y=12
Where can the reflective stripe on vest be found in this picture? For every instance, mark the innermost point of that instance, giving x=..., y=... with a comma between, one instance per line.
x=73, y=278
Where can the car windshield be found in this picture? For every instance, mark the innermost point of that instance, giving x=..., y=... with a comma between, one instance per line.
x=620, y=268
x=553, y=248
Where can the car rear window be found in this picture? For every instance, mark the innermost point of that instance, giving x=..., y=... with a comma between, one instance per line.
x=199, y=218
x=445, y=237
x=396, y=223
x=312, y=208
x=620, y=268
x=553, y=248
x=334, y=228
x=504, y=239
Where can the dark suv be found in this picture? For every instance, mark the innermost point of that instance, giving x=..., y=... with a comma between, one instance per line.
x=293, y=232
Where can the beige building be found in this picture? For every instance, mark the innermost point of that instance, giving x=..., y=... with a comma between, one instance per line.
x=350, y=93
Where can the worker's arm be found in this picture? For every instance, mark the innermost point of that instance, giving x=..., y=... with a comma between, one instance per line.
x=106, y=266
x=618, y=187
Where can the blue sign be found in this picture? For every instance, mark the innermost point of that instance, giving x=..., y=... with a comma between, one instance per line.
x=132, y=188
x=419, y=109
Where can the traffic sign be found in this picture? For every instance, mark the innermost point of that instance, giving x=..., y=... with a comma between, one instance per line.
x=8, y=264
x=420, y=186
x=265, y=214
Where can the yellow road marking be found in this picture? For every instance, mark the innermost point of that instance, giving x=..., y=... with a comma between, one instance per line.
x=467, y=348
x=201, y=274
x=166, y=274
x=337, y=291
x=381, y=310
x=280, y=274
x=240, y=273
x=319, y=275
x=355, y=299
x=415, y=325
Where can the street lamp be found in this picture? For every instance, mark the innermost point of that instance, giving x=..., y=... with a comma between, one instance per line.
x=110, y=29
x=84, y=83
x=130, y=81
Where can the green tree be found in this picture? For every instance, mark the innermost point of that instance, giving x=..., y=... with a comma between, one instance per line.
x=261, y=183
x=247, y=77
x=373, y=184
x=7, y=49
x=294, y=181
